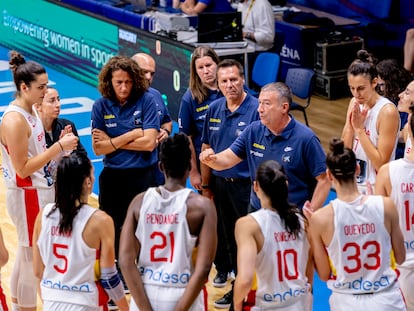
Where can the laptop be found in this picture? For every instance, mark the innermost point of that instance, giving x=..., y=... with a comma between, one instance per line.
x=220, y=30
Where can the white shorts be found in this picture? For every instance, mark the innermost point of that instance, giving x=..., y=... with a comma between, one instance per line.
x=406, y=280
x=62, y=306
x=388, y=300
x=23, y=206
x=166, y=298
x=303, y=303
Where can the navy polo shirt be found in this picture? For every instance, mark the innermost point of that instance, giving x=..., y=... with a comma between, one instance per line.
x=116, y=120
x=192, y=114
x=297, y=148
x=222, y=127
x=162, y=109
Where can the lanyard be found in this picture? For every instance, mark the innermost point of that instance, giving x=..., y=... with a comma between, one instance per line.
x=249, y=10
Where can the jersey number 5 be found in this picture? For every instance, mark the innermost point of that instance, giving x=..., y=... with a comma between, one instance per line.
x=58, y=251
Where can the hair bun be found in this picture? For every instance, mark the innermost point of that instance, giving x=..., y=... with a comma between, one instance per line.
x=336, y=146
x=16, y=59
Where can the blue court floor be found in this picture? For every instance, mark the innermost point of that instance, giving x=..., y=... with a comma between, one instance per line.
x=77, y=99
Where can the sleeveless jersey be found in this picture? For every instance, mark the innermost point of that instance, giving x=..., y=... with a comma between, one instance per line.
x=368, y=172
x=402, y=180
x=26, y=196
x=37, y=144
x=166, y=242
x=69, y=274
x=360, y=248
x=408, y=146
x=281, y=263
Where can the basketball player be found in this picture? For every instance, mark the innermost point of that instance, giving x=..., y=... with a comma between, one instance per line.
x=26, y=170
x=160, y=232
x=395, y=179
x=4, y=257
x=268, y=239
x=352, y=238
x=74, y=254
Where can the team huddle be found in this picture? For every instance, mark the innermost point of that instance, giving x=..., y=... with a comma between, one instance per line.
x=261, y=180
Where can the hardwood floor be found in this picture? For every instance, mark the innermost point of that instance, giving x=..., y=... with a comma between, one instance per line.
x=326, y=118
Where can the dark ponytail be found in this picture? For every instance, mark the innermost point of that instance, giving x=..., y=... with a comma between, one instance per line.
x=273, y=181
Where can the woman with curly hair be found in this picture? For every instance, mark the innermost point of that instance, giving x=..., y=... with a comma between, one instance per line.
x=125, y=127
x=392, y=80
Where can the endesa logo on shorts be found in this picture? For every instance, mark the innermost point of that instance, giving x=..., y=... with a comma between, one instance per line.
x=163, y=277
x=285, y=296
x=363, y=285
x=55, y=284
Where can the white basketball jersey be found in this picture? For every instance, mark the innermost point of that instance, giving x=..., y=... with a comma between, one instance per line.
x=402, y=180
x=408, y=146
x=40, y=179
x=368, y=172
x=69, y=274
x=166, y=242
x=281, y=263
x=360, y=248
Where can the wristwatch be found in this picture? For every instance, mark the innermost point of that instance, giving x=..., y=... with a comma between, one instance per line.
x=205, y=186
x=249, y=35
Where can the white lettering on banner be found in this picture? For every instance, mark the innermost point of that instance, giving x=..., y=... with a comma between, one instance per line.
x=289, y=53
x=127, y=36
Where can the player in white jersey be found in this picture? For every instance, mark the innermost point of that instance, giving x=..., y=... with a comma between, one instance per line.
x=372, y=122
x=353, y=239
x=272, y=242
x=25, y=170
x=161, y=230
x=396, y=180
x=73, y=245
x=4, y=257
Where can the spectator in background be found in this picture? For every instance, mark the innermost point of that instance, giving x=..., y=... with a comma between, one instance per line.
x=372, y=122
x=409, y=51
x=203, y=90
x=147, y=64
x=55, y=127
x=125, y=127
x=74, y=244
x=194, y=7
x=391, y=181
x=226, y=119
x=278, y=136
x=258, y=27
x=26, y=172
x=4, y=258
x=262, y=250
x=344, y=256
x=156, y=256
x=392, y=80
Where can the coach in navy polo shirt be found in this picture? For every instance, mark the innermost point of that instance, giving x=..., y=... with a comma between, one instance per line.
x=226, y=119
x=278, y=136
